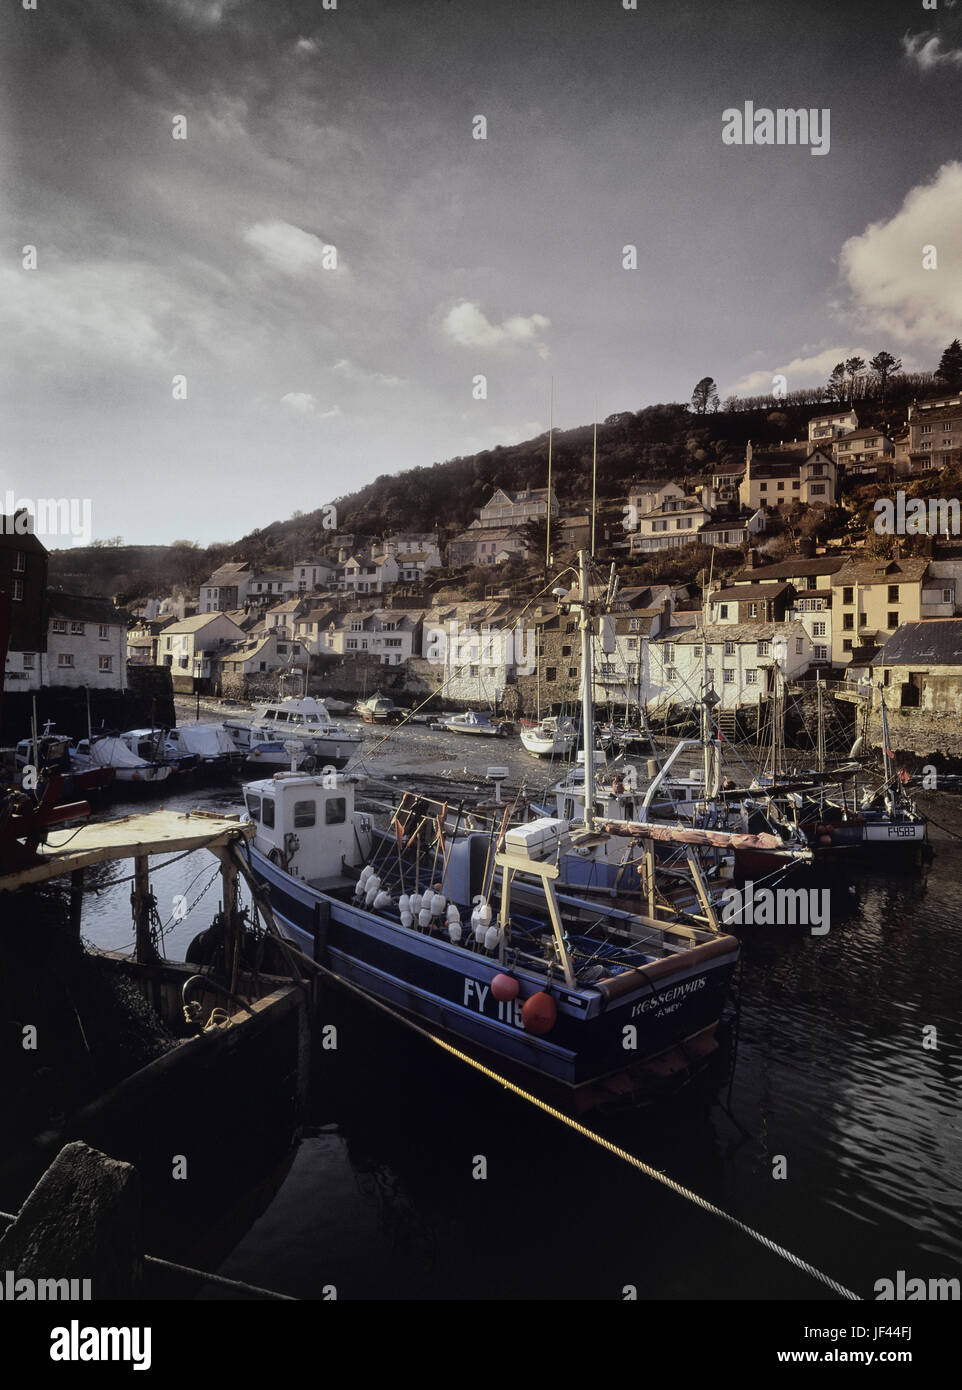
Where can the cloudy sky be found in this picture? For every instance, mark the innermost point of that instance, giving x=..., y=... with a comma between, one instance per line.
x=308, y=128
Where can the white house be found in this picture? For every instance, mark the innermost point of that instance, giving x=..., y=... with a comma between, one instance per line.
x=823, y=429
x=392, y=635
x=189, y=645
x=313, y=574
x=741, y=661
x=226, y=588
x=86, y=644
x=268, y=652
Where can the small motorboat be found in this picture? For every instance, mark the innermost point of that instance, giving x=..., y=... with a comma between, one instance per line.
x=477, y=722
x=113, y=753
x=378, y=709
x=154, y=746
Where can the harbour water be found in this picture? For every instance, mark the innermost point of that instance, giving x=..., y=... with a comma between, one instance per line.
x=831, y=1123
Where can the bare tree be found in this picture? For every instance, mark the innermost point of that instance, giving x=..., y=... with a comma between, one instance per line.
x=705, y=396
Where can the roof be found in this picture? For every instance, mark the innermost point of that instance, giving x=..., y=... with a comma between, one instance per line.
x=836, y=415
x=194, y=624
x=788, y=569
x=862, y=434
x=84, y=610
x=929, y=642
x=878, y=570
x=723, y=469
x=734, y=632
x=748, y=591
x=728, y=523
x=941, y=412
x=227, y=574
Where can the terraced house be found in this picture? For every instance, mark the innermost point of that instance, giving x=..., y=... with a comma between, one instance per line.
x=779, y=480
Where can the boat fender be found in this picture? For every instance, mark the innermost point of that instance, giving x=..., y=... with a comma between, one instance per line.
x=424, y=917
x=825, y=839
x=382, y=900
x=479, y=930
x=278, y=857
x=438, y=904
x=539, y=1013
x=365, y=874
x=454, y=912
x=454, y=932
x=404, y=903
x=491, y=937
x=505, y=988
x=416, y=901
x=407, y=919
x=370, y=895
x=484, y=912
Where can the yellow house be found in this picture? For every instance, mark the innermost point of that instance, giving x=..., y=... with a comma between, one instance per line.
x=780, y=479
x=870, y=599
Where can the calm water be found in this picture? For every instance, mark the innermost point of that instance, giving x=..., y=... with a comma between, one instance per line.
x=829, y=1074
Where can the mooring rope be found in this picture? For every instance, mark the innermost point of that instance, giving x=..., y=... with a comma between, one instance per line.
x=654, y=1173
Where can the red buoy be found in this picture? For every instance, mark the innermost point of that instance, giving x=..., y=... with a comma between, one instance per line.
x=505, y=987
x=539, y=1014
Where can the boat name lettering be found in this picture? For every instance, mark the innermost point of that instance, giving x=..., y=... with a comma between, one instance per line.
x=902, y=830
x=678, y=992
x=476, y=995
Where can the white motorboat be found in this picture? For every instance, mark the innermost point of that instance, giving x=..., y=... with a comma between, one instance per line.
x=477, y=722
x=304, y=721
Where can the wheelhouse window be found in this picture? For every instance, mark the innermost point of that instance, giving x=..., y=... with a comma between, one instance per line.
x=305, y=813
x=267, y=812
x=335, y=810
x=254, y=807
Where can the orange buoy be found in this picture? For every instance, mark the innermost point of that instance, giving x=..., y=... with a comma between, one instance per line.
x=539, y=1014
x=824, y=839
x=505, y=987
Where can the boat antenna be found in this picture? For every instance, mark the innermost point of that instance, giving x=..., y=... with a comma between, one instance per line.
x=587, y=709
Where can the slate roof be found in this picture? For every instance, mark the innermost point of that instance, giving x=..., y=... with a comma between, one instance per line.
x=788, y=569
x=928, y=642
x=84, y=610
x=905, y=571
x=748, y=592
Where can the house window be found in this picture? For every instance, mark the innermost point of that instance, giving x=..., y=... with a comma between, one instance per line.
x=474, y=670
x=668, y=655
x=751, y=676
x=28, y=661
x=848, y=595
x=351, y=644
x=762, y=487
x=19, y=562
x=796, y=486
x=948, y=596
x=729, y=648
x=820, y=653
x=17, y=590
x=551, y=673
x=847, y=644
x=729, y=675
x=817, y=489
x=723, y=610
x=65, y=659
x=671, y=674
x=59, y=625
x=572, y=671
x=632, y=644
x=781, y=487
x=848, y=621
x=818, y=629
x=76, y=629
x=105, y=663
x=799, y=646
x=893, y=593
x=566, y=651
x=281, y=649
x=893, y=620
x=763, y=649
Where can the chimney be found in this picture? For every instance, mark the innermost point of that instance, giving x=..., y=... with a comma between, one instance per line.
x=751, y=559
x=806, y=547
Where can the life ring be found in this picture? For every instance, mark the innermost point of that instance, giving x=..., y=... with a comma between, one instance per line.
x=278, y=857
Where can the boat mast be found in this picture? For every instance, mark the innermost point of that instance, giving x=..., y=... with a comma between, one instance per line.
x=587, y=704
x=594, y=479
x=547, y=543
x=820, y=757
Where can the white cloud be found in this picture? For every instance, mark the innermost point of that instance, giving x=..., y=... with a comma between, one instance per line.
x=289, y=249
x=467, y=326
x=207, y=13
x=800, y=372
x=301, y=401
x=344, y=367
x=891, y=293
x=926, y=51
x=306, y=46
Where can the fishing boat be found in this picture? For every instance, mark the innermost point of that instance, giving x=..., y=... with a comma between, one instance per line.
x=545, y=988
x=478, y=722
x=211, y=744
x=553, y=737
x=47, y=755
x=302, y=720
